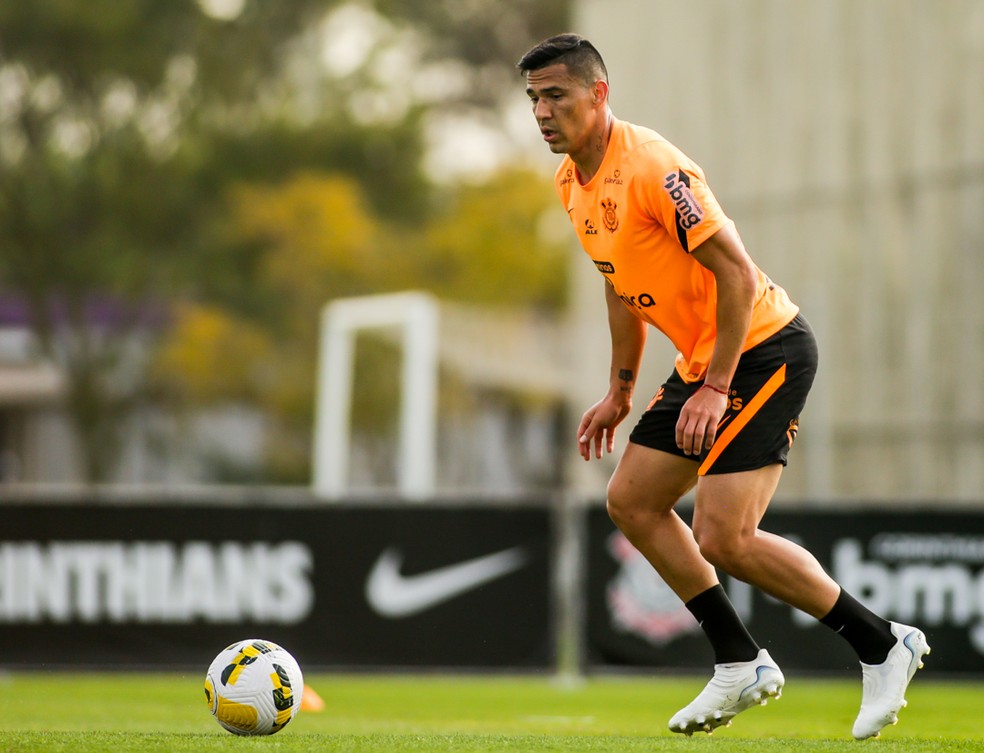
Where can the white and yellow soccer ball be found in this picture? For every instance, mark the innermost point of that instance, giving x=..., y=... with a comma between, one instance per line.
x=254, y=687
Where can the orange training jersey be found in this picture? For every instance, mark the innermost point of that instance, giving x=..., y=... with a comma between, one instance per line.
x=639, y=218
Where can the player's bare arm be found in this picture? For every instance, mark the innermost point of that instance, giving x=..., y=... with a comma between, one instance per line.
x=734, y=274
x=628, y=334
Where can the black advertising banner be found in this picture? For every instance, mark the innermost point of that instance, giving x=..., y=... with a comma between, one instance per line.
x=107, y=585
x=921, y=568
x=456, y=585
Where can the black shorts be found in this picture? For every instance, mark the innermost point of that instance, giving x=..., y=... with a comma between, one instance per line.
x=767, y=393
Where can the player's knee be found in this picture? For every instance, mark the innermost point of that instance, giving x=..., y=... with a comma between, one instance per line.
x=637, y=513
x=721, y=548
x=620, y=506
x=626, y=509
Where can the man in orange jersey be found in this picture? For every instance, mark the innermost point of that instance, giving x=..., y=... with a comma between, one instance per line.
x=725, y=419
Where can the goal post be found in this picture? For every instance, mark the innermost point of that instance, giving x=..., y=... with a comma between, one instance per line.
x=416, y=314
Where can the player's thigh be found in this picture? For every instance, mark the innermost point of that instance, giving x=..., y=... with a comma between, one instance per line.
x=731, y=505
x=649, y=480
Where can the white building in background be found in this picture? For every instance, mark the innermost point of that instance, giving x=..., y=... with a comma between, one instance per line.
x=28, y=391
x=38, y=446
x=846, y=139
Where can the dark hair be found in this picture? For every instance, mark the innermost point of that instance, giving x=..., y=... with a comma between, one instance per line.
x=573, y=50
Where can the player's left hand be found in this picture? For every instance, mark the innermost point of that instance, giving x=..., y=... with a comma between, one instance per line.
x=699, y=419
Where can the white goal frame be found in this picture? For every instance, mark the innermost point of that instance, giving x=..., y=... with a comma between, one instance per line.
x=341, y=321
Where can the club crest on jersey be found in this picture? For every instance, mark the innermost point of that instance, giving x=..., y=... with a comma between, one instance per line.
x=689, y=210
x=609, y=217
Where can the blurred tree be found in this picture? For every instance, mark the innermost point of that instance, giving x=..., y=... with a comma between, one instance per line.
x=74, y=246
x=107, y=113
x=91, y=48
x=140, y=142
x=487, y=245
x=317, y=239
x=488, y=37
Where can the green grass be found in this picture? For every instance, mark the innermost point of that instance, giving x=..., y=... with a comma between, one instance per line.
x=42, y=712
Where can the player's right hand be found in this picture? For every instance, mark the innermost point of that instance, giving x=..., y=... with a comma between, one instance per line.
x=597, y=427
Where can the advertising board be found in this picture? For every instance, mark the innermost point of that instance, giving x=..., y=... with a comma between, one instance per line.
x=340, y=586
x=924, y=568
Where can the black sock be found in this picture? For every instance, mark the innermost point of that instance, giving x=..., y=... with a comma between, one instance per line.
x=723, y=627
x=869, y=635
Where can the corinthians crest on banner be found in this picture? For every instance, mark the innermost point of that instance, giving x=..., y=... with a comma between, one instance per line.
x=640, y=602
x=919, y=567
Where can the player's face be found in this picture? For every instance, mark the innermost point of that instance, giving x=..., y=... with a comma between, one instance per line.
x=565, y=108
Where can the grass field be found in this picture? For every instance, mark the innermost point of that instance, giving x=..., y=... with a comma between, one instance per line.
x=166, y=712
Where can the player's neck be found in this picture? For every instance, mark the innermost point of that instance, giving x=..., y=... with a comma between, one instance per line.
x=589, y=160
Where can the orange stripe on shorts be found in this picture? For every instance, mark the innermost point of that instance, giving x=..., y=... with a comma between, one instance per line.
x=744, y=416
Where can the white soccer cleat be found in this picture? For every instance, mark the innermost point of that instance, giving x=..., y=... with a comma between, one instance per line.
x=733, y=688
x=883, y=685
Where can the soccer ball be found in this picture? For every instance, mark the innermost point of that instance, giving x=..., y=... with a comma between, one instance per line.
x=254, y=687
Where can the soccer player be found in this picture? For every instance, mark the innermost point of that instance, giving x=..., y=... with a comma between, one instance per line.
x=724, y=420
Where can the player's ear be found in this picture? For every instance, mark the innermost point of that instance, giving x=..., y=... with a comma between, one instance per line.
x=599, y=93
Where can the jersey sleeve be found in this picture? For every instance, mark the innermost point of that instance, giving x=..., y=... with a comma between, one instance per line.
x=674, y=192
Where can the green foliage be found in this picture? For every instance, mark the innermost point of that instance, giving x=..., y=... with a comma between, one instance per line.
x=487, y=245
x=382, y=159
x=152, y=154
x=88, y=44
x=491, y=37
x=313, y=238
x=97, y=203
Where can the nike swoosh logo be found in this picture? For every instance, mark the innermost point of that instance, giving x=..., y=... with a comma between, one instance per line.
x=392, y=594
